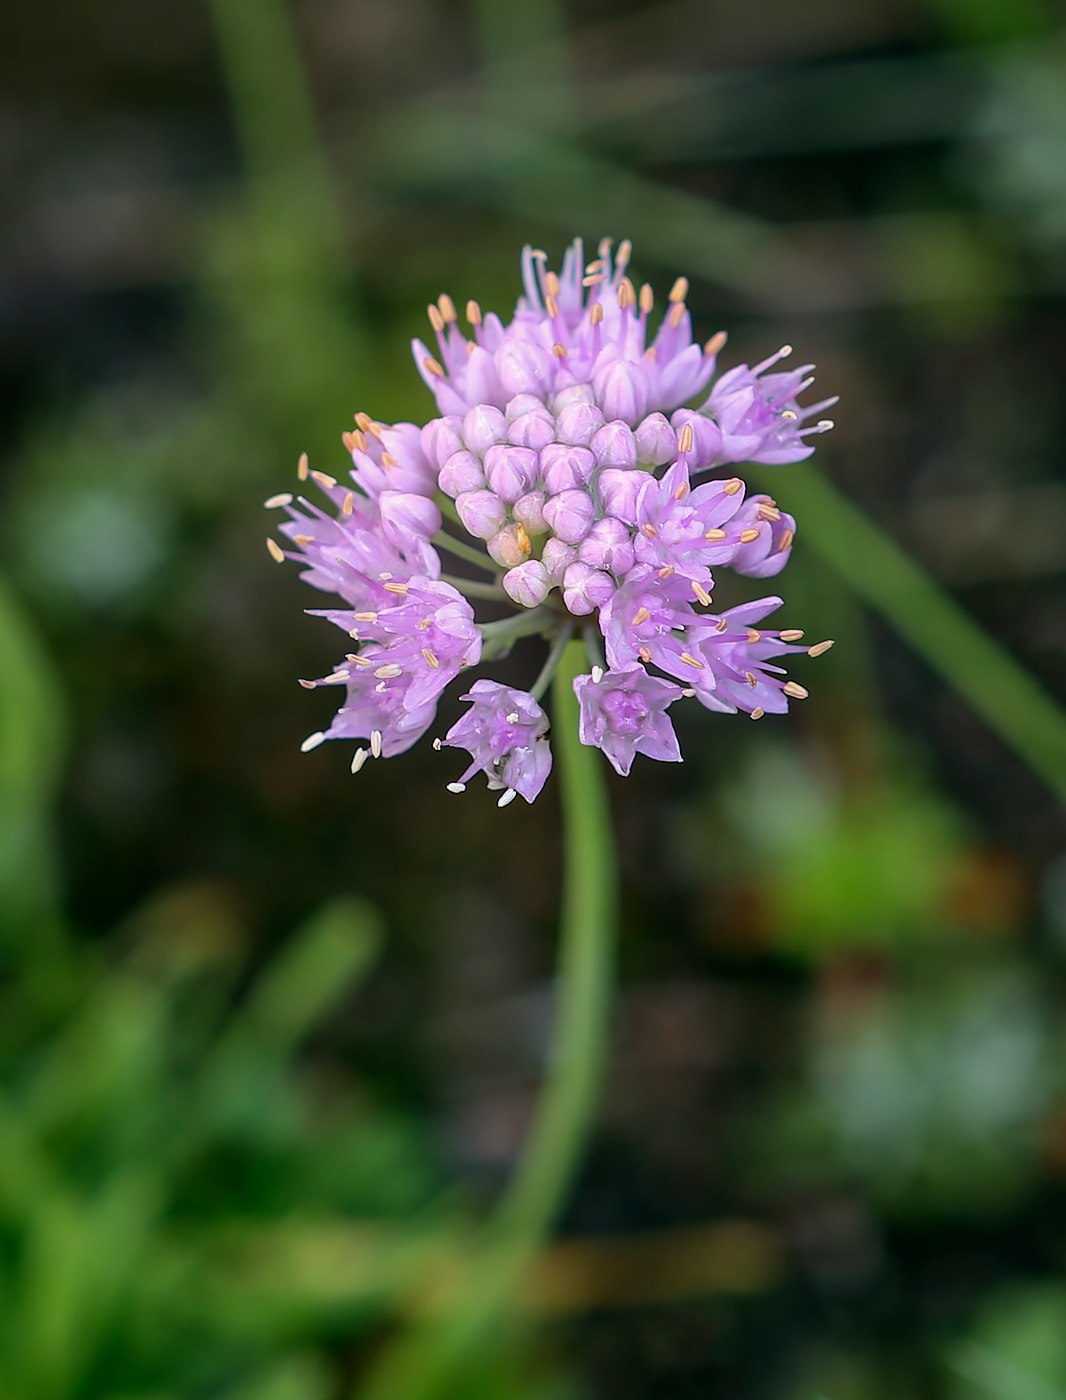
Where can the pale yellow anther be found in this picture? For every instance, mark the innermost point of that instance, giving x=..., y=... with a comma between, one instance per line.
x=551, y=281
x=559, y=350
x=433, y=367
x=786, y=540
x=627, y=297
x=645, y=654
x=732, y=486
x=625, y=252
x=594, y=279
x=301, y=540
x=349, y=441
x=596, y=314
x=324, y=480
x=552, y=306
x=795, y=690
x=794, y=634
x=754, y=635
x=275, y=551
x=594, y=266
x=302, y=467
x=647, y=298
x=473, y=313
x=522, y=539
x=359, y=440
x=282, y=499
x=685, y=438
x=682, y=491
x=388, y=460
x=818, y=650
x=388, y=672
x=649, y=530
x=348, y=504
x=436, y=320
x=447, y=307
x=640, y=616
x=752, y=679
x=430, y=658
x=768, y=511
x=365, y=617
x=715, y=343
x=397, y=587
x=690, y=660
x=758, y=712
x=702, y=596
x=679, y=291
x=539, y=254
x=674, y=315
x=749, y=536
x=470, y=348
x=722, y=625
x=713, y=536
x=667, y=571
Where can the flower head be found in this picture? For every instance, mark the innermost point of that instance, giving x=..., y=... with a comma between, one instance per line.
x=575, y=480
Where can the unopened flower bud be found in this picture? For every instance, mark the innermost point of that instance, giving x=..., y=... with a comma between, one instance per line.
x=533, y=430
x=528, y=584
x=483, y=426
x=585, y=589
x=621, y=391
x=441, y=437
x=615, y=446
x=656, y=441
x=573, y=393
x=525, y=368
x=570, y=514
x=706, y=437
x=528, y=510
x=461, y=472
x=522, y=403
x=511, y=546
x=482, y=513
x=557, y=558
x=620, y=491
x=511, y=471
x=608, y=545
x=577, y=422
x=562, y=467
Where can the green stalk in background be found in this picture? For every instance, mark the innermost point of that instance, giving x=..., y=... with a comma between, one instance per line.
x=425, y=1363
x=870, y=563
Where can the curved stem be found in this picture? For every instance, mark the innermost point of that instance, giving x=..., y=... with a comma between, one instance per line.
x=427, y=1363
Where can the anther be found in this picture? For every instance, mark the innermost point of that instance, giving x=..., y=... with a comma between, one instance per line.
x=685, y=438
x=375, y=743
x=324, y=480
x=431, y=660
x=312, y=741
x=820, y=649
x=365, y=617
x=649, y=530
x=767, y=511
x=398, y=588
x=645, y=654
x=456, y=787
x=753, y=636
x=758, y=712
x=596, y=314
x=640, y=616
x=389, y=671
x=559, y=350
x=361, y=661
x=647, y=299
x=786, y=540
x=732, y=486
x=625, y=252
x=359, y=758
x=473, y=313
x=349, y=441
x=667, y=571
x=751, y=678
x=722, y=625
x=284, y=498
x=597, y=674
x=551, y=281
x=507, y=798
x=539, y=254
x=682, y=491
x=715, y=343
x=436, y=320
x=784, y=352
x=702, y=596
x=595, y=266
x=433, y=366
x=303, y=539
x=307, y=685
x=795, y=690
x=359, y=439
x=513, y=717
x=688, y=694
x=690, y=660
x=674, y=315
x=551, y=305
x=594, y=279
x=679, y=291
x=792, y=635
x=627, y=297
x=749, y=536
x=275, y=551
x=824, y=424
x=302, y=467
x=447, y=307
x=714, y=535
x=437, y=746
x=348, y=504
x=789, y=415
x=470, y=348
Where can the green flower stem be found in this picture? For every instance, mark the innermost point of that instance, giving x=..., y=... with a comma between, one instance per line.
x=464, y=551
x=1002, y=692
x=428, y=1361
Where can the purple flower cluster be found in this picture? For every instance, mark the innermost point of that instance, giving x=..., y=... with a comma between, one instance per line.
x=565, y=466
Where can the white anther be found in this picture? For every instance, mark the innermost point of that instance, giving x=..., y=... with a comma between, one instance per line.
x=312, y=741
x=283, y=499
x=513, y=717
x=508, y=797
x=375, y=743
x=597, y=674
x=456, y=787
x=437, y=745
x=359, y=758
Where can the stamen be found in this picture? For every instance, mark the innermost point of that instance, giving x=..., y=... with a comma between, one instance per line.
x=425, y=622
x=690, y=660
x=365, y=617
x=275, y=551
x=551, y=281
x=792, y=635
x=447, y=307
x=674, y=315
x=752, y=679
x=749, y=536
x=667, y=571
x=787, y=413
x=303, y=539
x=795, y=690
x=713, y=535
x=701, y=593
x=559, y=350
x=627, y=297
x=551, y=305
x=302, y=467
x=820, y=649
x=284, y=498
x=625, y=252
x=513, y=717
x=594, y=279
x=722, y=625
x=398, y=588
x=375, y=743
x=647, y=299
x=389, y=671
x=758, y=712
x=359, y=758
x=431, y=659
x=308, y=685
x=732, y=486
x=645, y=654
x=715, y=343
x=473, y=313
x=595, y=266
x=456, y=787
x=436, y=320
x=349, y=441
x=682, y=491
x=388, y=460
x=685, y=438
x=507, y=798
x=361, y=661
x=649, y=530
x=596, y=314
x=679, y=291
x=312, y=741
x=786, y=540
x=359, y=438
x=753, y=636
x=433, y=367
x=538, y=253
x=597, y=674
x=768, y=511
x=640, y=616
x=348, y=504
x=324, y=480
x=688, y=694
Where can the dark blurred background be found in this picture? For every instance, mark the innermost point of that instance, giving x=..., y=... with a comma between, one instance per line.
x=831, y=1160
